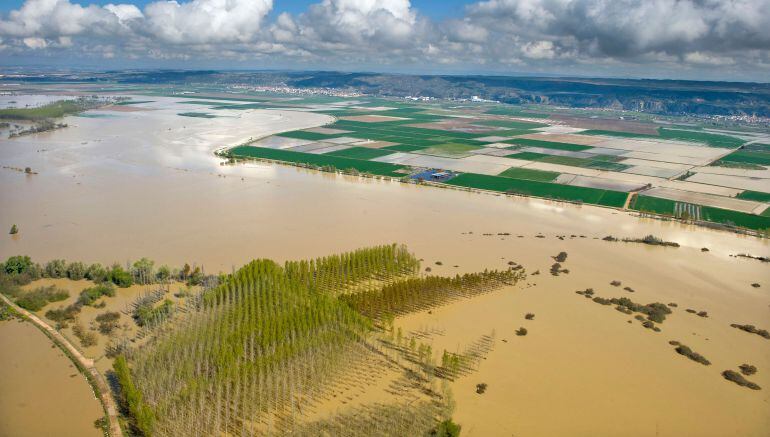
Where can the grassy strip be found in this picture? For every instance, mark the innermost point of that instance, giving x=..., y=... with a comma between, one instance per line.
x=135, y=102
x=141, y=415
x=51, y=110
x=360, y=153
x=713, y=140
x=305, y=135
x=531, y=175
x=340, y=163
x=196, y=115
x=540, y=189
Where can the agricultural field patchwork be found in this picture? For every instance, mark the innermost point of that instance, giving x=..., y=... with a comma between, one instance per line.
x=516, y=151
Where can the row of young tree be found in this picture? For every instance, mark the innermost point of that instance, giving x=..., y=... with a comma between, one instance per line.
x=263, y=340
x=22, y=270
x=422, y=293
x=335, y=274
x=266, y=344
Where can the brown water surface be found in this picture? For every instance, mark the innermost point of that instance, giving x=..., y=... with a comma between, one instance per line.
x=41, y=391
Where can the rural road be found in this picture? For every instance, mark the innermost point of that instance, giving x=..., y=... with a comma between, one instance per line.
x=103, y=389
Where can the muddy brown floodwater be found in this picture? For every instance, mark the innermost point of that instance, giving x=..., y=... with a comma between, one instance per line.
x=41, y=391
x=145, y=183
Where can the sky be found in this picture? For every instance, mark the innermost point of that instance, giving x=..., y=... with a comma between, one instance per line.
x=661, y=39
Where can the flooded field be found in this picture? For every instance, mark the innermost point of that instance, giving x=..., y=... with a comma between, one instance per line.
x=145, y=183
x=42, y=391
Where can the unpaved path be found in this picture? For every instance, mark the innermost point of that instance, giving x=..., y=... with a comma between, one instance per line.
x=86, y=363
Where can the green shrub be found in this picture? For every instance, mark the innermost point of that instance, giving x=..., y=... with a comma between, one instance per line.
x=92, y=294
x=97, y=273
x=36, y=299
x=56, y=268
x=120, y=277
x=146, y=314
x=17, y=265
x=76, y=271
x=446, y=428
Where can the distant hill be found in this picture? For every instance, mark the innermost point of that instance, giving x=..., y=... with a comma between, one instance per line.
x=669, y=97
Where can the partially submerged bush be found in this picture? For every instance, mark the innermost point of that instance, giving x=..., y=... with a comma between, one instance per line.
x=561, y=257
x=529, y=316
x=63, y=315
x=87, y=338
x=36, y=299
x=92, y=294
x=748, y=369
x=737, y=378
x=446, y=428
x=108, y=322
x=615, y=283
x=689, y=353
x=521, y=332
x=481, y=388
x=752, y=330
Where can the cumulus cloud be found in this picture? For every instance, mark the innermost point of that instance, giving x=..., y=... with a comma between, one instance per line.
x=206, y=21
x=528, y=34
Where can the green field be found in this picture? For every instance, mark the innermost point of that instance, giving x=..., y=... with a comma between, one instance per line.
x=548, y=144
x=449, y=150
x=714, y=140
x=755, y=195
x=515, y=112
x=540, y=189
x=305, y=135
x=600, y=162
x=360, y=153
x=403, y=148
x=528, y=174
x=511, y=124
x=653, y=204
x=340, y=163
x=716, y=215
x=748, y=157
